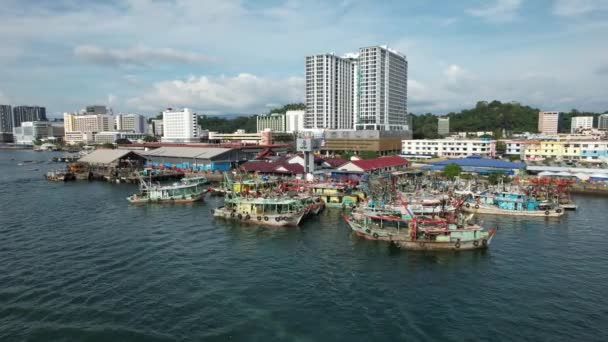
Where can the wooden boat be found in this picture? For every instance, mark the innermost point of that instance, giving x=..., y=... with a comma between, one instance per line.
x=510, y=203
x=277, y=212
x=421, y=234
x=186, y=191
x=337, y=195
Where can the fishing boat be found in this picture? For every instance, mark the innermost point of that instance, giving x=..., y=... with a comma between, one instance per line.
x=277, y=212
x=510, y=203
x=337, y=195
x=421, y=234
x=186, y=191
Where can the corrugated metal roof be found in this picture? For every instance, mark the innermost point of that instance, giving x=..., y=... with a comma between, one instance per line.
x=481, y=162
x=378, y=163
x=186, y=152
x=104, y=156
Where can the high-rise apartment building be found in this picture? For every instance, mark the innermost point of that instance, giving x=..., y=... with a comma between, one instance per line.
x=547, y=122
x=180, y=126
x=6, y=119
x=131, y=122
x=329, y=92
x=382, y=90
x=602, y=122
x=28, y=114
x=69, y=122
x=581, y=123
x=443, y=126
x=274, y=122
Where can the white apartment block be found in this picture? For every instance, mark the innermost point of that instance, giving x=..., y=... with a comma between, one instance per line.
x=579, y=123
x=329, y=92
x=547, y=122
x=602, y=122
x=382, y=89
x=180, y=126
x=75, y=137
x=451, y=148
x=294, y=120
x=131, y=122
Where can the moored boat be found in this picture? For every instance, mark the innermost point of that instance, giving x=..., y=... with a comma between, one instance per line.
x=186, y=191
x=279, y=212
x=510, y=203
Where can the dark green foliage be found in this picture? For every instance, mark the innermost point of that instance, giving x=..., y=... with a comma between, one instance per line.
x=108, y=145
x=501, y=147
x=289, y=106
x=123, y=141
x=150, y=138
x=495, y=178
x=368, y=154
x=248, y=123
x=452, y=171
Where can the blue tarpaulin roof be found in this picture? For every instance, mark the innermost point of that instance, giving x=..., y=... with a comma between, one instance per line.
x=476, y=161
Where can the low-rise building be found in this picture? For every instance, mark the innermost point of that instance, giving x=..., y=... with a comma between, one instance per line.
x=112, y=137
x=76, y=137
x=382, y=142
x=574, y=150
x=451, y=148
x=383, y=164
x=265, y=137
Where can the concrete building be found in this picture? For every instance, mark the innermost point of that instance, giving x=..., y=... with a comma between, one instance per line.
x=265, y=137
x=195, y=158
x=28, y=132
x=547, y=122
x=517, y=147
x=294, y=120
x=382, y=142
x=93, y=123
x=275, y=122
x=329, y=92
x=69, y=122
x=602, y=122
x=155, y=127
x=451, y=148
x=6, y=119
x=96, y=109
x=76, y=137
x=111, y=137
x=443, y=126
x=180, y=126
x=382, y=90
x=580, y=123
x=130, y=122
x=575, y=150
x=28, y=114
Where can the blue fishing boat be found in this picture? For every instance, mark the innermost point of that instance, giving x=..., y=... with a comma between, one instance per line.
x=510, y=203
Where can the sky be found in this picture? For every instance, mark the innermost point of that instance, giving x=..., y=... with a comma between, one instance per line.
x=245, y=57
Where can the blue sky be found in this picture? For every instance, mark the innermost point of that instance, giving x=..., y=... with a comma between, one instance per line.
x=233, y=56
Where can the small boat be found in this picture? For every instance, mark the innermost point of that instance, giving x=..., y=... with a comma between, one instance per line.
x=186, y=191
x=278, y=212
x=337, y=195
x=60, y=176
x=510, y=203
x=421, y=234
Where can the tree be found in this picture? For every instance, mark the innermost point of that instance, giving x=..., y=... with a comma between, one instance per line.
x=501, y=147
x=496, y=177
x=123, y=141
x=107, y=145
x=368, y=154
x=150, y=138
x=452, y=171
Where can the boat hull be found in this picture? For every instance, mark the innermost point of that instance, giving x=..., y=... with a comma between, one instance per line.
x=272, y=220
x=479, y=209
x=142, y=200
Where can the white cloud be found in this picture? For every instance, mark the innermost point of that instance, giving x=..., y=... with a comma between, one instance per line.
x=244, y=93
x=137, y=55
x=498, y=11
x=572, y=8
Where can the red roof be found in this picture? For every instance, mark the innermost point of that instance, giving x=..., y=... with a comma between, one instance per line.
x=379, y=163
x=335, y=162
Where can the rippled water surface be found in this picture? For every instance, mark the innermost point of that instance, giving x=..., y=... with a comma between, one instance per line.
x=77, y=263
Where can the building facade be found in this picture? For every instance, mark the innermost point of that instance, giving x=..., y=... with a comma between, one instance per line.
x=329, y=92
x=111, y=137
x=30, y=131
x=580, y=123
x=294, y=121
x=180, y=126
x=451, y=148
x=381, y=142
x=93, y=123
x=130, y=122
x=574, y=150
x=443, y=126
x=275, y=122
x=6, y=119
x=155, y=127
x=28, y=114
x=382, y=90
x=602, y=122
x=548, y=122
